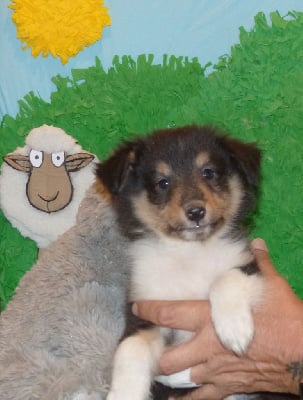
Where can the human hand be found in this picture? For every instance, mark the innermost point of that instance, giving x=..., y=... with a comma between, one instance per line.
x=277, y=344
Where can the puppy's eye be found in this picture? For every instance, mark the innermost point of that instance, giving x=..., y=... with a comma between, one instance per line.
x=208, y=173
x=163, y=184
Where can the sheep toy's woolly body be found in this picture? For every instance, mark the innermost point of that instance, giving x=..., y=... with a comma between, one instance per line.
x=58, y=334
x=42, y=227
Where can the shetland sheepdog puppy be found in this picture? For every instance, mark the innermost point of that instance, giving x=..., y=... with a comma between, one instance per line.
x=181, y=196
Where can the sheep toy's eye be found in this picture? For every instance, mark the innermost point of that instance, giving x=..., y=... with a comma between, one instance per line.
x=36, y=158
x=58, y=158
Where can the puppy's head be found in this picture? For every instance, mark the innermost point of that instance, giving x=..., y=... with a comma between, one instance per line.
x=186, y=182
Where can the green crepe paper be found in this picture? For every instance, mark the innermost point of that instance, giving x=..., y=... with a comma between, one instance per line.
x=256, y=93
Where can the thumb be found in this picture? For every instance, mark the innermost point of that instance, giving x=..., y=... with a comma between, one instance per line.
x=264, y=262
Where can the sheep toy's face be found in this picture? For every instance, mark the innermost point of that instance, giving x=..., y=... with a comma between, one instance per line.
x=49, y=186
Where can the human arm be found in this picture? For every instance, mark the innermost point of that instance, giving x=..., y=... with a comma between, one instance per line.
x=274, y=361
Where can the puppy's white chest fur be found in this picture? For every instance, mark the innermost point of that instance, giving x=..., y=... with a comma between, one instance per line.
x=172, y=269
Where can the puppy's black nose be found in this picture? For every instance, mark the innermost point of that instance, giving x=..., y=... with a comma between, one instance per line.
x=195, y=214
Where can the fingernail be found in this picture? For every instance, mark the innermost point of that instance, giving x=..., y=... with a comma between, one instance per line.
x=135, y=309
x=259, y=244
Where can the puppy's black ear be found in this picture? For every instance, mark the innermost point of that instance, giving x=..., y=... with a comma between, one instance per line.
x=115, y=171
x=247, y=158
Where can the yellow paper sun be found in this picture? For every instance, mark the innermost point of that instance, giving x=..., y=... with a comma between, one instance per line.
x=61, y=28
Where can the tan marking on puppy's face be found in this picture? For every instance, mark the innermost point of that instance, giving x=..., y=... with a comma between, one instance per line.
x=235, y=197
x=201, y=159
x=154, y=217
x=163, y=168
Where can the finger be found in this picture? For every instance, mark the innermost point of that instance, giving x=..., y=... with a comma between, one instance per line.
x=260, y=251
x=187, y=315
x=178, y=358
x=198, y=374
x=187, y=355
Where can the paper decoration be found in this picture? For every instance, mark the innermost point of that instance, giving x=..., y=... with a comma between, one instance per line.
x=60, y=28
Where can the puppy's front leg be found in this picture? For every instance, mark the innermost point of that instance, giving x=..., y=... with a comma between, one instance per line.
x=135, y=364
x=232, y=297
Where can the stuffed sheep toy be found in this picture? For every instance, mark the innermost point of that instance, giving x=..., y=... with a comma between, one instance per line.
x=59, y=332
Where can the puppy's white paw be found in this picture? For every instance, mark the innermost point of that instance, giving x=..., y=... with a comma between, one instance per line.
x=235, y=329
x=232, y=297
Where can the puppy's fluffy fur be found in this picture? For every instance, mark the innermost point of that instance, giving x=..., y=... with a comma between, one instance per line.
x=181, y=196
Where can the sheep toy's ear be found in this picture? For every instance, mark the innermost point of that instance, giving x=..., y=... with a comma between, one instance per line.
x=18, y=162
x=74, y=162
